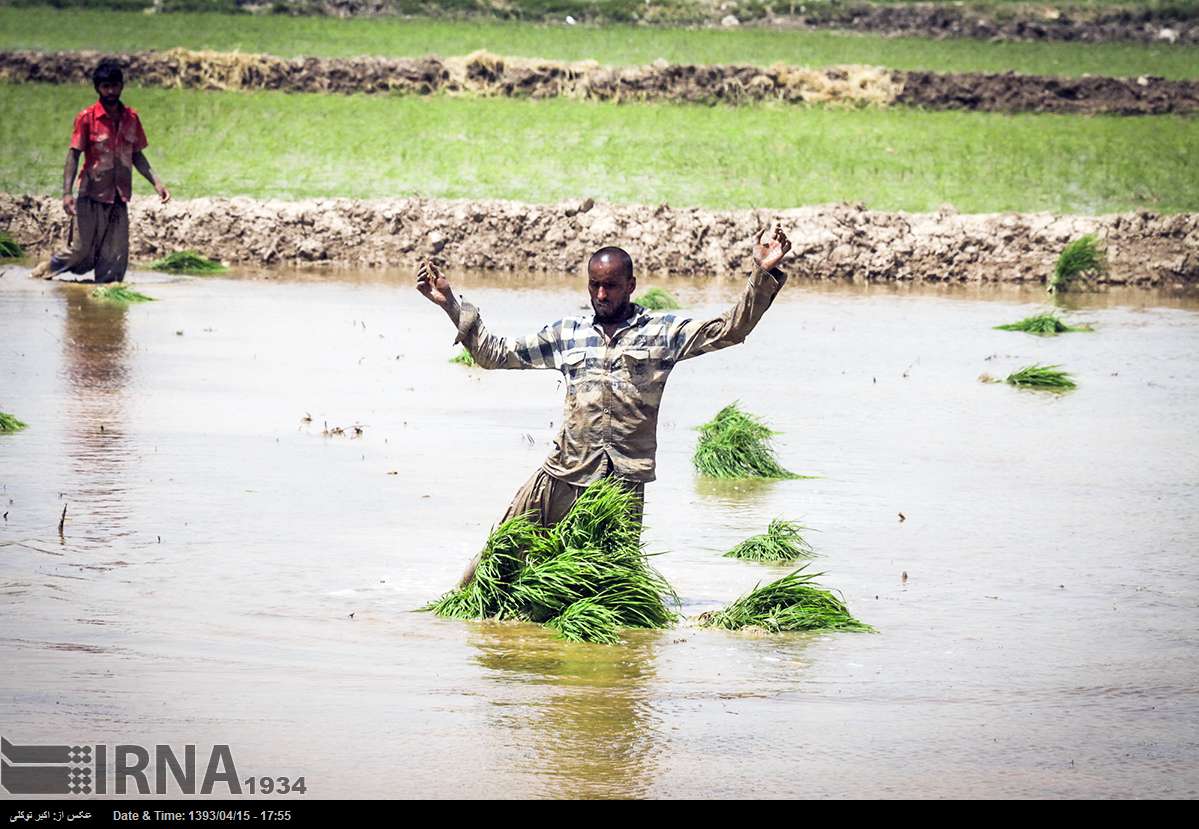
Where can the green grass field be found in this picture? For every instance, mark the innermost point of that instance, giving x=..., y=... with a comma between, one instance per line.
x=270, y=144
x=47, y=29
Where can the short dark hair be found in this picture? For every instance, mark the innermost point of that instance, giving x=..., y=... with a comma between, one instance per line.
x=621, y=257
x=107, y=71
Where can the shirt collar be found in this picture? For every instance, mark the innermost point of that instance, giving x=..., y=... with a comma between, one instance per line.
x=638, y=317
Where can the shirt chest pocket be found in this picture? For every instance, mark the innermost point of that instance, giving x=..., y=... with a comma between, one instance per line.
x=573, y=364
x=636, y=366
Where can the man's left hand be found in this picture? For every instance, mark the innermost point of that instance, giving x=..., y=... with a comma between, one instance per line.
x=164, y=195
x=768, y=253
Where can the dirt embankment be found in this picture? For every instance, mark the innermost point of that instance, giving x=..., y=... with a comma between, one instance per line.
x=831, y=242
x=1011, y=22
x=1031, y=22
x=486, y=74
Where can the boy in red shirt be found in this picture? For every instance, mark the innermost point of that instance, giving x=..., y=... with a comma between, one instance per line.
x=110, y=137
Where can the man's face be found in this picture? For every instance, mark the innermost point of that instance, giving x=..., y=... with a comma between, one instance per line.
x=610, y=290
x=110, y=92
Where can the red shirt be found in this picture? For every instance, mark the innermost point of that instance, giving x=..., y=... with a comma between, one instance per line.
x=108, y=146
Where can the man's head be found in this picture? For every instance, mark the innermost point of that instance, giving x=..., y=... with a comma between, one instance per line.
x=109, y=81
x=611, y=283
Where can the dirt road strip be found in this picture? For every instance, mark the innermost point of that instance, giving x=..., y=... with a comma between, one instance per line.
x=831, y=241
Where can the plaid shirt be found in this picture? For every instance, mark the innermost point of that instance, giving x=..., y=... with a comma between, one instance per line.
x=614, y=387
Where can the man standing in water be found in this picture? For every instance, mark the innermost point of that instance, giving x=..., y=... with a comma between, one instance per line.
x=615, y=365
x=110, y=137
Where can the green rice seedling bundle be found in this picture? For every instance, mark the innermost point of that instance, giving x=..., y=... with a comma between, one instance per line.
x=586, y=577
x=656, y=299
x=187, y=261
x=8, y=423
x=1043, y=325
x=1080, y=259
x=463, y=358
x=1037, y=376
x=9, y=249
x=794, y=602
x=735, y=444
x=782, y=541
x=121, y=294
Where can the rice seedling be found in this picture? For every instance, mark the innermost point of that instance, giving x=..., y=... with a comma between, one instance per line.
x=119, y=293
x=8, y=423
x=656, y=299
x=584, y=577
x=187, y=261
x=794, y=602
x=587, y=621
x=9, y=249
x=1081, y=259
x=782, y=541
x=463, y=358
x=1037, y=376
x=735, y=444
x=1043, y=325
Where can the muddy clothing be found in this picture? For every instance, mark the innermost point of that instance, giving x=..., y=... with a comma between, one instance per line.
x=614, y=387
x=546, y=500
x=108, y=145
x=101, y=241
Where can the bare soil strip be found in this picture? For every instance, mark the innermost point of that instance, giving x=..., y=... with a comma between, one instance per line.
x=491, y=75
x=831, y=241
x=1034, y=22
x=1006, y=22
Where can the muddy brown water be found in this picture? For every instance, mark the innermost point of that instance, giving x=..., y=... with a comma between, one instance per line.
x=216, y=546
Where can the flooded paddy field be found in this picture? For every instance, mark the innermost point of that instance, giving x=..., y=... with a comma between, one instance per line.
x=229, y=573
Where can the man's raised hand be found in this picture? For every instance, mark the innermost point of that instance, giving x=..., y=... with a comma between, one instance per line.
x=768, y=254
x=432, y=283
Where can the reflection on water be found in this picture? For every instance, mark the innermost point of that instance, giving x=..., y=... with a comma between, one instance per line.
x=96, y=358
x=588, y=730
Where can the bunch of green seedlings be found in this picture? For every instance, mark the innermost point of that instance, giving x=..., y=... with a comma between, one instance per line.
x=463, y=358
x=586, y=577
x=9, y=249
x=782, y=541
x=1038, y=376
x=735, y=444
x=1043, y=325
x=8, y=423
x=1082, y=258
x=119, y=294
x=189, y=262
x=656, y=299
x=794, y=602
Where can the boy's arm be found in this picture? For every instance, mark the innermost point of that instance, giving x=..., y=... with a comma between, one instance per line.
x=142, y=165
x=69, y=171
x=540, y=350
x=690, y=338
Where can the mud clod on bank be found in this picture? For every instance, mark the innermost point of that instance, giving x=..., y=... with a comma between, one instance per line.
x=830, y=241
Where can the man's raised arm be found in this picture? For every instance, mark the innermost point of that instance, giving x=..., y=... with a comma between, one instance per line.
x=695, y=337
x=541, y=350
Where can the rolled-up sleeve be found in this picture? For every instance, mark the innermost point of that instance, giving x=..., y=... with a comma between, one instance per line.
x=541, y=350
x=690, y=338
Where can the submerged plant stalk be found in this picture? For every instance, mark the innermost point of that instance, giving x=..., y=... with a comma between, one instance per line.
x=585, y=577
x=783, y=541
x=1037, y=376
x=735, y=444
x=1043, y=325
x=8, y=423
x=189, y=262
x=794, y=602
x=121, y=294
x=656, y=299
